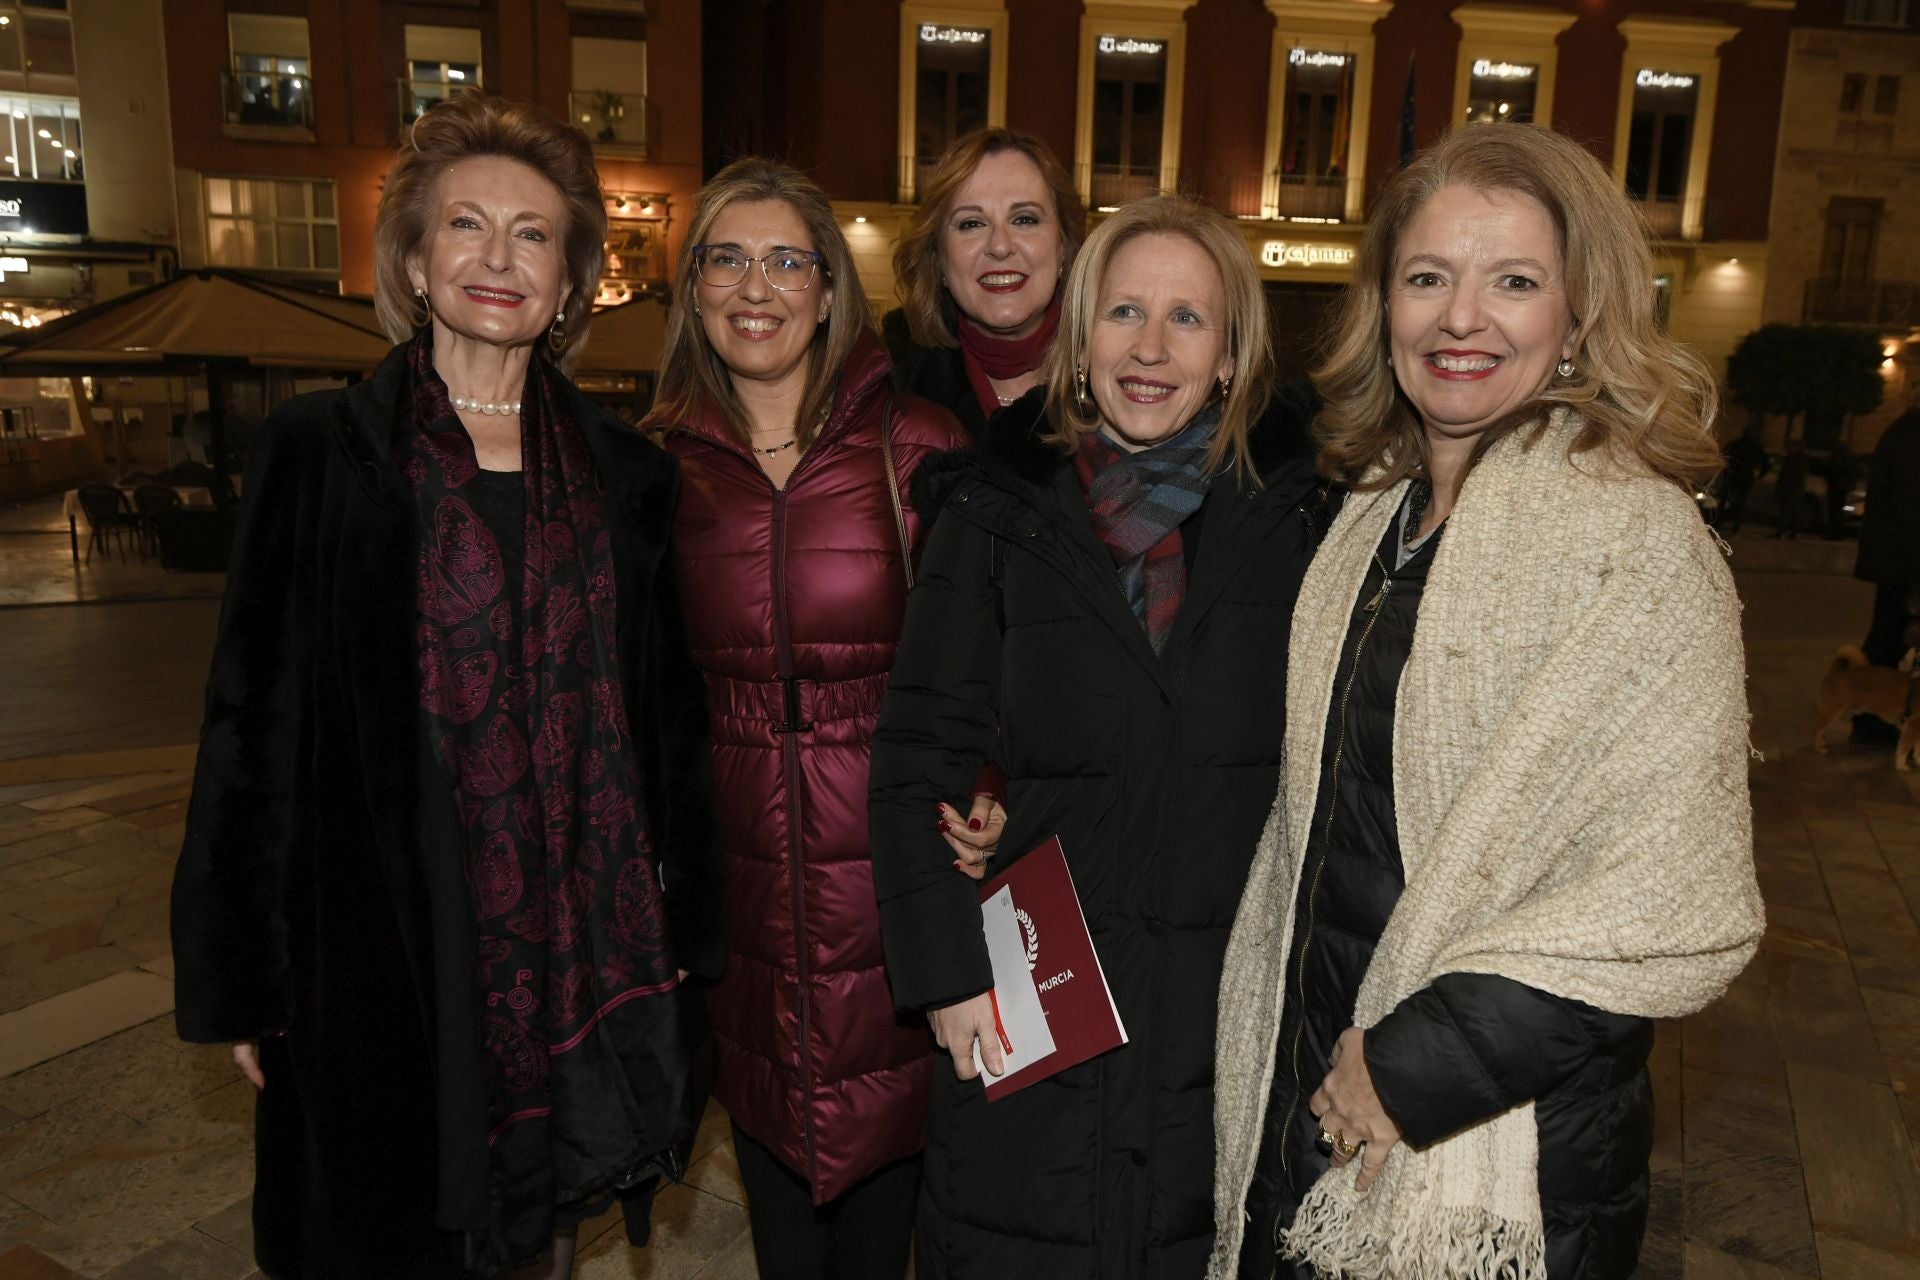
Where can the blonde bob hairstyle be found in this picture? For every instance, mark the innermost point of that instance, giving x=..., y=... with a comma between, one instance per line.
x=1246, y=321
x=692, y=376
x=916, y=258
x=1641, y=394
x=484, y=124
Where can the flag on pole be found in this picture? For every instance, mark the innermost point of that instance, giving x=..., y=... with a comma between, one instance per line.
x=1407, y=145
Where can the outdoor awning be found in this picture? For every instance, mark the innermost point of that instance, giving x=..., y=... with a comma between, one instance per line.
x=200, y=317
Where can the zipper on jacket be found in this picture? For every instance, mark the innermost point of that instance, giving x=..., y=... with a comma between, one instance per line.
x=790, y=763
x=1373, y=609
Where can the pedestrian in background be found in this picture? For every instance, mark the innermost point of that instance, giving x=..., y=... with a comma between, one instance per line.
x=796, y=551
x=1843, y=472
x=979, y=270
x=1103, y=608
x=451, y=847
x=1890, y=556
x=1790, y=490
x=1513, y=825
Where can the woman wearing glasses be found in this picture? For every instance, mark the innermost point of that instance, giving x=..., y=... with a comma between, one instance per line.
x=795, y=549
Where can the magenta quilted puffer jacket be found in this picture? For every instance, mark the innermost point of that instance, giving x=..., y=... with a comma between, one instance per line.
x=793, y=605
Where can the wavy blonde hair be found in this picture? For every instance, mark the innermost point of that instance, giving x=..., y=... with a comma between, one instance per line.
x=1640, y=394
x=916, y=258
x=691, y=374
x=481, y=123
x=1252, y=380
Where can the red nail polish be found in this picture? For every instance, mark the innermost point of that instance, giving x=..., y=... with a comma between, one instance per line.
x=973, y=824
x=945, y=826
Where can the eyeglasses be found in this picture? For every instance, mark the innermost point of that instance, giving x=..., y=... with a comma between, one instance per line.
x=788, y=270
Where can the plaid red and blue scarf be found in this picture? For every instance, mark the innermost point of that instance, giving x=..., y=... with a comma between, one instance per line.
x=1138, y=502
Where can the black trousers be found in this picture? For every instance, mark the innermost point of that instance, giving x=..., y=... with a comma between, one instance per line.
x=1887, y=641
x=866, y=1234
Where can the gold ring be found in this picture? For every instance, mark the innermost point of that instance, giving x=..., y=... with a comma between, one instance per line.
x=1344, y=1149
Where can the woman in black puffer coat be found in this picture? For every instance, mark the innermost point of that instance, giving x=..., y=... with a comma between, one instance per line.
x=1152, y=754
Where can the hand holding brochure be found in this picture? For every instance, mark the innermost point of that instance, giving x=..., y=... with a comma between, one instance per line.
x=1050, y=993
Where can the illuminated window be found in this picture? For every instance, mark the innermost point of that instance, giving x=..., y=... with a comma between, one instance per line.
x=609, y=99
x=953, y=69
x=1316, y=134
x=952, y=76
x=268, y=80
x=1664, y=107
x=1129, y=117
x=441, y=61
x=274, y=223
x=42, y=139
x=1663, y=133
x=1502, y=91
x=36, y=40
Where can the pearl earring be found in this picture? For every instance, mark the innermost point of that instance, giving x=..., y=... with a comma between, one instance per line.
x=1566, y=368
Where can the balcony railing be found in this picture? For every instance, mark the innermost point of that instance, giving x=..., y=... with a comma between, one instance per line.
x=416, y=96
x=613, y=119
x=1875, y=302
x=1108, y=186
x=270, y=99
x=1299, y=195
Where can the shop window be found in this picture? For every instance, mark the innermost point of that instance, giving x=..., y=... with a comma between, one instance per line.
x=277, y=224
x=1886, y=95
x=1502, y=91
x=952, y=84
x=1853, y=92
x=1129, y=117
x=441, y=61
x=1316, y=135
x=1876, y=13
x=1661, y=134
x=268, y=80
x=42, y=139
x=609, y=99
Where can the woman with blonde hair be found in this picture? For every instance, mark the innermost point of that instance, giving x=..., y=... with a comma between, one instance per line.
x=451, y=848
x=1103, y=608
x=979, y=272
x=1512, y=826
x=796, y=550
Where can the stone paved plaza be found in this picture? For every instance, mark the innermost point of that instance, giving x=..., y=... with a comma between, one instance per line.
x=1788, y=1112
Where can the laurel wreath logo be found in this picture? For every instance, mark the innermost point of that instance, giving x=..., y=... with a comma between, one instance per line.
x=1025, y=922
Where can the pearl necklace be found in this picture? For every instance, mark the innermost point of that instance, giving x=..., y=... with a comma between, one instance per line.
x=501, y=407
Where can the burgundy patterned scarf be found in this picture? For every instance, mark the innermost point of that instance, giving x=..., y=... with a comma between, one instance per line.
x=1138, y=502
x=522, y=696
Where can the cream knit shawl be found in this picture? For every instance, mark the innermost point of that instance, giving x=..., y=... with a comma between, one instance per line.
x=1570, y=780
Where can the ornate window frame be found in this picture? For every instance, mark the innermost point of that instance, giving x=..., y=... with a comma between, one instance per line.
x=990, y=14
x=1162, y=20
x=1507, y=33
x=1336, y=26
x=1691, y=47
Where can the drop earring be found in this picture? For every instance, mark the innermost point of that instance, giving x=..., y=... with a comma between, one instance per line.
x=1226, y=384
x=556, y=332
x=1080, y=385
x=425, y=306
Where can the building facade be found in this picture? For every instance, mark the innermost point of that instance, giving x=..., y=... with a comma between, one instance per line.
x=285, y=114
x=1288, y=115
x=1845, y=212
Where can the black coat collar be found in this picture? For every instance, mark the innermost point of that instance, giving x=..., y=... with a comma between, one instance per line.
x=637, y=474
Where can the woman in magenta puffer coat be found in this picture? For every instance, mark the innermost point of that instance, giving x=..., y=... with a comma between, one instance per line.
x=794, y=546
